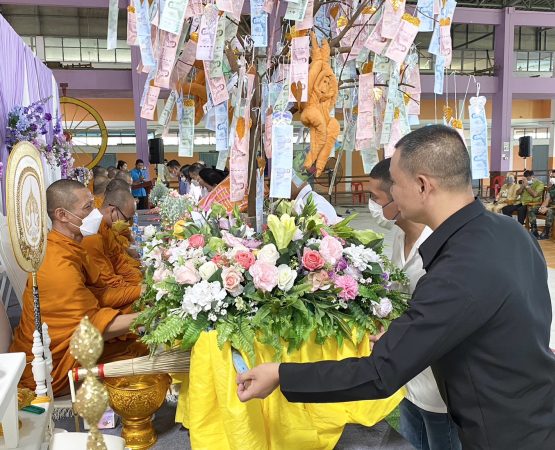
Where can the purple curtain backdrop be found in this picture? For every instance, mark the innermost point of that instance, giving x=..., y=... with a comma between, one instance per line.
x=16, y=58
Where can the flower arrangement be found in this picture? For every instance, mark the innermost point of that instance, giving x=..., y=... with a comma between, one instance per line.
x=158, y=193
x=174, y=207
x=28, y=123
x=31, y=123
x=81, y=174
x=299, y=278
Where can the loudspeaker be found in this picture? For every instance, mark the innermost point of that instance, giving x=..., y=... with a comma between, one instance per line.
x=524, y=146
x=156, y=151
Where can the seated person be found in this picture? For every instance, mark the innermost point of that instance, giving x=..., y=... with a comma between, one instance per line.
x=196, y=190
x=545, y=208
x=99, y=187
x=124, y=176
x=424, y=420
x=210, y=178
x=121, y=165
x=184, y=180
x=66, y=281
x=112, y=171
x=530, y=191
x=108, y=256
x=507, y=195
x=221, y=194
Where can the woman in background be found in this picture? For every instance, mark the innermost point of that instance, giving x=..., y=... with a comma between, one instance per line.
x=507, y=195
x=122, y=165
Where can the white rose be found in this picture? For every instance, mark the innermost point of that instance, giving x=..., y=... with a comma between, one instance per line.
x=286, y=277
x=268, y=254
x=207, y=270
x=149, y=231
x=382, y=309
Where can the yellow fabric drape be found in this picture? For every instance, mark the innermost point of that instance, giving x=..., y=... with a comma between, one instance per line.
x=208, y=405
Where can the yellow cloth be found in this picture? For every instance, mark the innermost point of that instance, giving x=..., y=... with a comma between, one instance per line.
x=208, y=405
x=98, y=201
x=65, y=280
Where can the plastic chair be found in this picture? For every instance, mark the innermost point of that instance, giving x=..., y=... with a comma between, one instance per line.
x=357, y=190
x=497, y=182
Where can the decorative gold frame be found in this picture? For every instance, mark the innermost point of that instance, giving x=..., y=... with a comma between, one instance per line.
x=25, y=162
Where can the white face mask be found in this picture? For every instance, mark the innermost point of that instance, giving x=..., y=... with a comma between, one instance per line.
x=89, y=224
x=195, y=183
x=376, y=211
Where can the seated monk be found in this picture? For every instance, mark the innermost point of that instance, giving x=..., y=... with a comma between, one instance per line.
x=97, y=171
x=125, y=176
x=100, y=183
x=108, y=257
x=121, y=229
x=65, y=281
x=112, y=172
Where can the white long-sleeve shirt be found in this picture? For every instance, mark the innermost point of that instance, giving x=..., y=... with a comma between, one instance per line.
x=422, y=389
x=322, y=205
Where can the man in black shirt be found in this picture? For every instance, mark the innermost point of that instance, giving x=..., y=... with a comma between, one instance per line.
x=482, y=324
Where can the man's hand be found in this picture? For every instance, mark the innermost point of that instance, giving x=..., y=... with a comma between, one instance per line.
x=542, y=209
x=376, y=337
x=258, y=382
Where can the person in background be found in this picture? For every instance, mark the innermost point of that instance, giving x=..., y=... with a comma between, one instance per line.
x=139, y=175
x=424, y=421
x=184, y=180
x=172, y=170
x=125, y=176
x=122, y=165
x=112, y=171
x=545, y=208
x=507, y=195
x=221, y=194
x=196, y=190
x=99, y=170
x=210, y=178
x=530, y=191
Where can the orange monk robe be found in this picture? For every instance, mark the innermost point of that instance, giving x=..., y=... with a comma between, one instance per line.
x=64, y=300
x=123, y=236
x=105, y=255
x=98, y=201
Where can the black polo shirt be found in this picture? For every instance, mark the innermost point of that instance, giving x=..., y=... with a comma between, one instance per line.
x=481, y=318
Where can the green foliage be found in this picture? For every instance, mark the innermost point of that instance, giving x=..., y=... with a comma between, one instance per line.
x=167, y=331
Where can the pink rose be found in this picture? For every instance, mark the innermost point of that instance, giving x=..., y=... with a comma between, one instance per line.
x=196, y=241
x=245, y=259
x=232, y=281
x=312, y=260
x=319, y=280
x=219, y=260
x=348, y=285
x=186, y=274
x=331, y=249
x=160, y=274
x=264, y=275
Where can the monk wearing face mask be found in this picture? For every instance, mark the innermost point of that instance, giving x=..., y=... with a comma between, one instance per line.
x=70, y=288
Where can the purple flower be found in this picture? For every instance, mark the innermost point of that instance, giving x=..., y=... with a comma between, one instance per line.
x=48, y=116
x=39, y=109
x=341, y=265
x=385, y=276
x=33, y=127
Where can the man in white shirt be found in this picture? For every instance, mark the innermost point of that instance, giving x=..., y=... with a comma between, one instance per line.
x=424, y=420
x=300, y=195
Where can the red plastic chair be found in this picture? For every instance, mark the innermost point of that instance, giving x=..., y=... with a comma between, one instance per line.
x=497, y=182
x=356, y=189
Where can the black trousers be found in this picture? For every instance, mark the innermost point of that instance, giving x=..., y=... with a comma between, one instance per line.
x=521, y=209
x=143, y=203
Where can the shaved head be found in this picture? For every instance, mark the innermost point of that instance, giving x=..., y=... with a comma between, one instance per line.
x=99, y=170
x=119, y=197
x=122, y=175
x=112, y=171
x=63, y=194
x=118, y=204
x=100, y=183
x=116, y=184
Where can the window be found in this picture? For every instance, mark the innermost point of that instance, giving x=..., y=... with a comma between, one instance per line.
x=545, y=62
x=533, y=61
x=86, y=50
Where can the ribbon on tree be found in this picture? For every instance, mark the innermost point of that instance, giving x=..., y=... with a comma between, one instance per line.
x=401, y=43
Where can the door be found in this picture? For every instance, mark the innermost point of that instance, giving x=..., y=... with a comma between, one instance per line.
x=540, y=154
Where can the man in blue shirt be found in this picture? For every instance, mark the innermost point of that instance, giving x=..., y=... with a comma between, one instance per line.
x=139, y=175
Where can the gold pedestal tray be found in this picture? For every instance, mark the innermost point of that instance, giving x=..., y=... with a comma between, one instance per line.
x=135, y=399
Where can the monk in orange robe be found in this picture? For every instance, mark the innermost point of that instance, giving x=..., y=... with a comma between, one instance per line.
x=107, y=256
x=100, y=183
x=97, y=171
x=66, y=280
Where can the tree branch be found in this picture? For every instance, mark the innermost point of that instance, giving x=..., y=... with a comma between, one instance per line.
x=336, y=40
